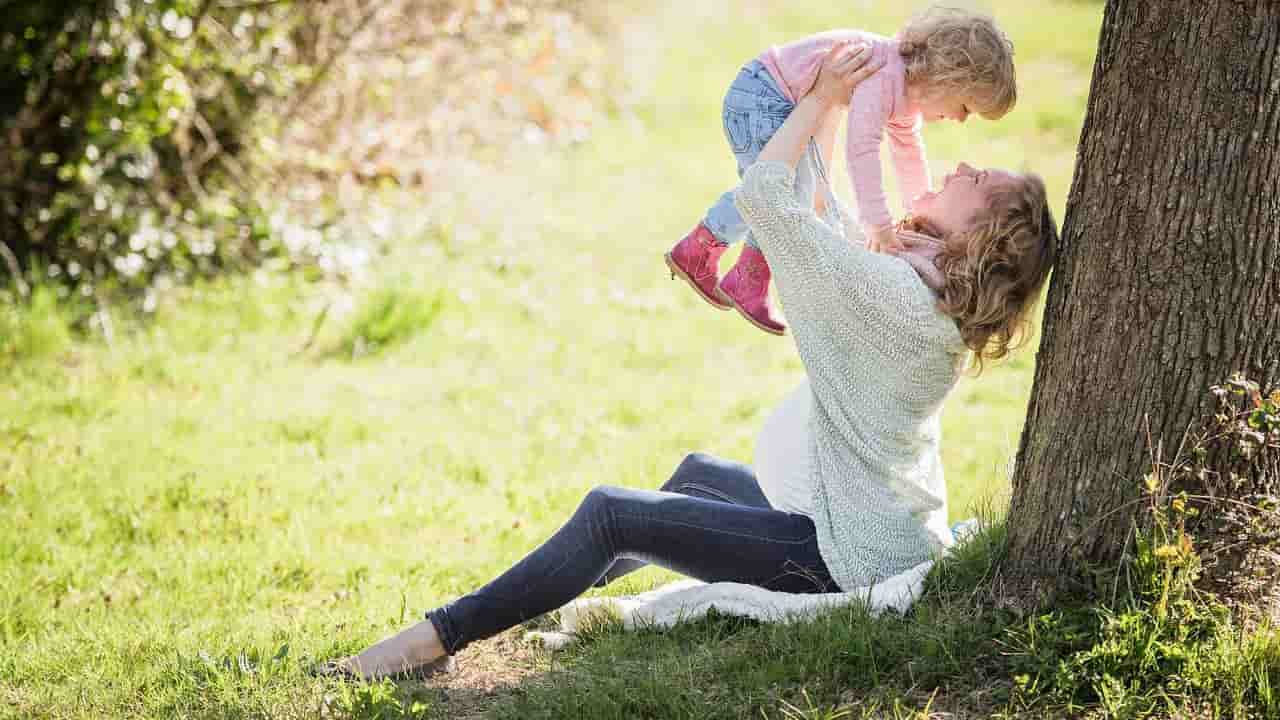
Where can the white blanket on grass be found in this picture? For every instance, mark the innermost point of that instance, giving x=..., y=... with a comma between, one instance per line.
x=691, y=599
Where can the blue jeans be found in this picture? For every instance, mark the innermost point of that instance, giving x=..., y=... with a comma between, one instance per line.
x=754, y=109
x=710, y=521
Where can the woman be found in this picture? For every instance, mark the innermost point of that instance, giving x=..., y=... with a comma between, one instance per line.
x=883, y=338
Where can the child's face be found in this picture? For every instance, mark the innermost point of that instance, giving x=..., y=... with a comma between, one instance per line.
x=942, y=105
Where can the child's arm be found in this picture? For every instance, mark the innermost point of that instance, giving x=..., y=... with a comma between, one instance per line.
x=868, y=115
x=906, y=146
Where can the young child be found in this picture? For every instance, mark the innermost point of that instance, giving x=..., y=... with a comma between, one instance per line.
x=945, y=64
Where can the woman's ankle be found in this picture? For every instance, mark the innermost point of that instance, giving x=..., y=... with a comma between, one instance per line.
x=406, y=650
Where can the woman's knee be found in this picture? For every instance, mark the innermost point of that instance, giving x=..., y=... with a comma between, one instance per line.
x=693, y=466
x=600, y=499
x=597, y=516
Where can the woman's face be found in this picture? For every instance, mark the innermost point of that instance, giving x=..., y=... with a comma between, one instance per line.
x=963, y=194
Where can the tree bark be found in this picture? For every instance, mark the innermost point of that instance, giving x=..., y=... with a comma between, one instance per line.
x=1168, y=274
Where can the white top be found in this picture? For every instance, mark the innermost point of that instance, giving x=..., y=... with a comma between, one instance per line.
x=782, y=454
x=880, y=357
x=782, y=462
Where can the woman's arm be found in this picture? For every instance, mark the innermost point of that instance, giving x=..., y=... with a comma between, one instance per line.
x=826, y=138
x=833, y=289
x=843, y=69
x=840, y=82
x=791, y=140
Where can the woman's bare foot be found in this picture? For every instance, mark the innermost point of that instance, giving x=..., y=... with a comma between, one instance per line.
x=405, y=652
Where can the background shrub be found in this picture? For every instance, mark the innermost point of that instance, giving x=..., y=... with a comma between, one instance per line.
x=124, y=124
x=145, y=143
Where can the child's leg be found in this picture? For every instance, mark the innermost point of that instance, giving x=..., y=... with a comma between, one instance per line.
x=750, y=121
x=754, y=109
x=806, y=184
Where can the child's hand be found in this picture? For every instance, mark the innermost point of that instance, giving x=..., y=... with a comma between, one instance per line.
x=883, y=240
x=843, y=68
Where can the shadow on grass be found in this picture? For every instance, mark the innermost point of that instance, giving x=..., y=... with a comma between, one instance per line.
x=486, y=673
x=962, y=652
x=846, y=664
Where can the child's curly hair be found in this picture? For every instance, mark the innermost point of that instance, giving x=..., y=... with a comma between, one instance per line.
x=956, y=51
x=994, y=270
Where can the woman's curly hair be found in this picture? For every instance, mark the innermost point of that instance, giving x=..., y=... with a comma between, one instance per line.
x=994, y=270
x=962, y=53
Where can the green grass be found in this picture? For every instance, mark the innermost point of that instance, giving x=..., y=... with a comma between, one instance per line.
x=194, y=511
x=35, y=331
x=389, y=316
x=1163, y=650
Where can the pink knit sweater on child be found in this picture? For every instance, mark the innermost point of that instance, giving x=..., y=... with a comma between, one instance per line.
x=879, y=105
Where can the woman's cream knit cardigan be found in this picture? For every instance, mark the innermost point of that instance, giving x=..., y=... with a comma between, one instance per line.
x=880, y=358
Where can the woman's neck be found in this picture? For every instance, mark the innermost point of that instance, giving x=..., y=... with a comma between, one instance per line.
x=920, y=251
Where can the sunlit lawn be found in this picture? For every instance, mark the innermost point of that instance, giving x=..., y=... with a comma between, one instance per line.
x=193, y=512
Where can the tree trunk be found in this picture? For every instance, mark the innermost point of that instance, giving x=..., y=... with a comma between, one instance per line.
x=1168, y=277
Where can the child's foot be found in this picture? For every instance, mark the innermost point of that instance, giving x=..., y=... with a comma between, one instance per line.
x=696, y=259
x=746, y=288
x=416, y=651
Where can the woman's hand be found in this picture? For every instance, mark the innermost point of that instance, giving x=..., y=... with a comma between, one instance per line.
x=844, y=66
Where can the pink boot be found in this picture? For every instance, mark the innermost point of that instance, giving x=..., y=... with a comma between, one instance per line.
x=696, y=258
x=746, y=287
